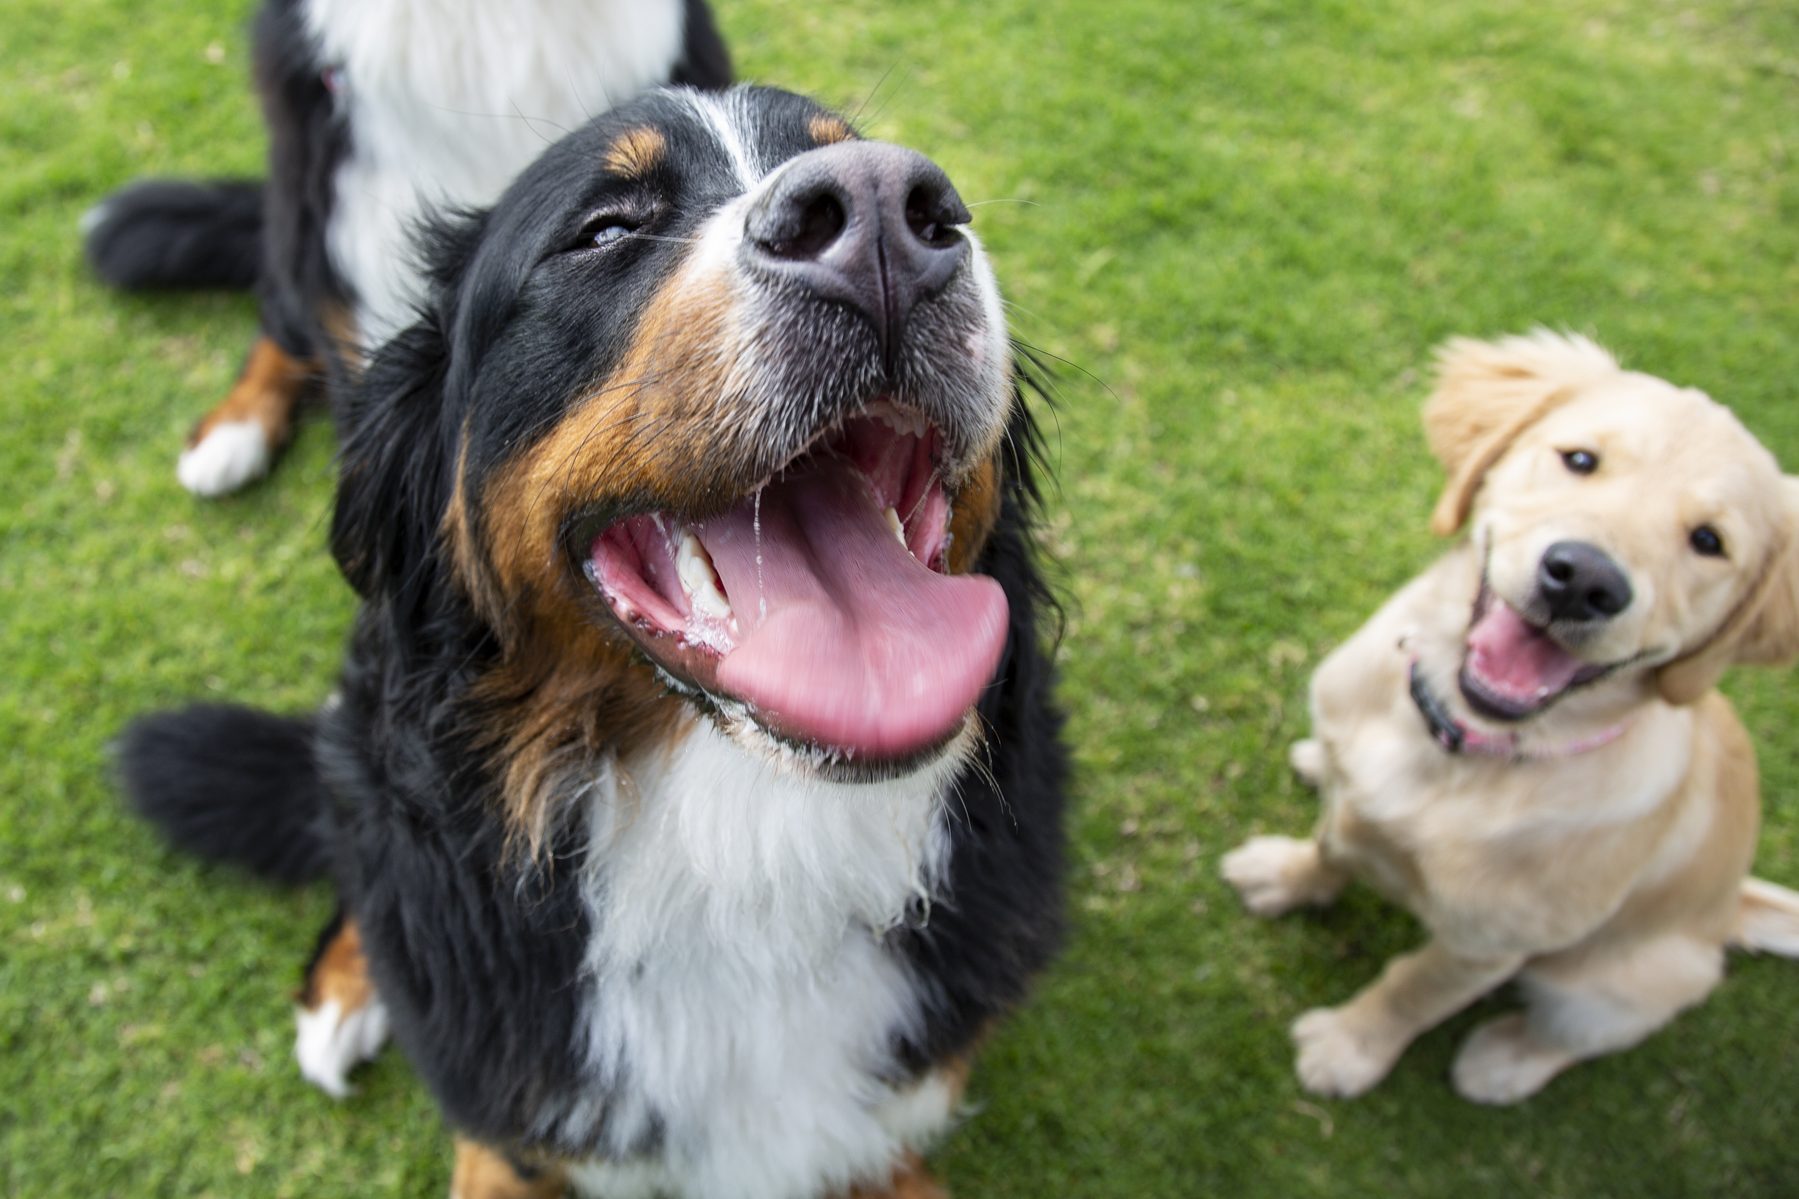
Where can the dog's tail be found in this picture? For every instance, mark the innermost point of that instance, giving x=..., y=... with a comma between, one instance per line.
x=232, y=785
x=1767, y=919
x=162, y=234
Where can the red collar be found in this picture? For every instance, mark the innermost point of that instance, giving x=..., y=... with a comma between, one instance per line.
x=1457, y=738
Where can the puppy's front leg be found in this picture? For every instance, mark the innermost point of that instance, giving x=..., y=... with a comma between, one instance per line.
x=1345, y=1050
x=1274, y=875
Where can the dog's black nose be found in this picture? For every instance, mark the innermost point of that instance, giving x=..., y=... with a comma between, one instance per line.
x=866, y=224
x=1581, y=582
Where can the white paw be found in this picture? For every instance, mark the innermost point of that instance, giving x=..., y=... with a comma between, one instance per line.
x=1334, y=1061
x=231, y=454
x=1308, y=760
x=329, y=1044
x=1500, y=1063
x=1271, y=873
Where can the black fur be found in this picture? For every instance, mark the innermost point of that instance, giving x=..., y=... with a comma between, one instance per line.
x=231, y=785
x=308, y=139
x=241, y=235
x=477, y=957
x=477, y=948
x=705, y=63
x=168, y=234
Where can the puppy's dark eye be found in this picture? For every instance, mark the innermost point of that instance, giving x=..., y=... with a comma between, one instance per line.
x=1705, y=540
x=1581, y=462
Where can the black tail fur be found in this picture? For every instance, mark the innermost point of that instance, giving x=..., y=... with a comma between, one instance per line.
x=230, y=784
x=163, y=234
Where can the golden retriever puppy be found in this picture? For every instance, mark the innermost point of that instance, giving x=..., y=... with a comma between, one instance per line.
x=1525, y=747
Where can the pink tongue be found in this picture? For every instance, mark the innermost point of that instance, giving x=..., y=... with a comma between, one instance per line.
x=844, y=638
x=1516, y=661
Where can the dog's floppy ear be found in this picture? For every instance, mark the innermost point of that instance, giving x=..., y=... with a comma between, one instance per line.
x=396, y=461
x=397, y=443
x=1487, y=393
x=1762, y=631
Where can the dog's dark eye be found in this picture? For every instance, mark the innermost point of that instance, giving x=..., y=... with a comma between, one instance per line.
x=1581, y=462
x=1705, y=540
x=605, y=229
x=610, y=232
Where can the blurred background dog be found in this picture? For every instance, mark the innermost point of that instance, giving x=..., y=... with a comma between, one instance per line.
x=378, y=112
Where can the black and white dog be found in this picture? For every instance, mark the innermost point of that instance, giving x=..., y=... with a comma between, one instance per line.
x=694, y=792
x=379, y=112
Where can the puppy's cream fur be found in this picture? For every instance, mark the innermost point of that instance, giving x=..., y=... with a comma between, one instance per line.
x=1607, y=880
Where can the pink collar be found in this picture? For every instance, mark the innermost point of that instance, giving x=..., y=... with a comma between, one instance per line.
x=1457, y=738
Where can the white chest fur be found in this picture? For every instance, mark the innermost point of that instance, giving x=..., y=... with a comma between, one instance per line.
x=447, y=101
x=742, y=1003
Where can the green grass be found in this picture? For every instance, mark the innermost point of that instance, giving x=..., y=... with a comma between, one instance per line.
x=1247, y=222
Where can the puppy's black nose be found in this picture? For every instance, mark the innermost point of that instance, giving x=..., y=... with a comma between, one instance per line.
x=1580, y=582
x=865, y=224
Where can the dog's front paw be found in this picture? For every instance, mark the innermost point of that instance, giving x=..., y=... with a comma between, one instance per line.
x=329, y=1042
x=1335, y=1059
x=231, y=454
x=1502, y=1063
x=1273, y=875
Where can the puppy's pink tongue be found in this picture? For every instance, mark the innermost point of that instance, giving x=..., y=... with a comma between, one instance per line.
x=844, y=638
x=1515, y=661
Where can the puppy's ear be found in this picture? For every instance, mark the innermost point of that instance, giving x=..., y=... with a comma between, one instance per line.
x=395, y=465
x=1487, y=393
x=1762, y=631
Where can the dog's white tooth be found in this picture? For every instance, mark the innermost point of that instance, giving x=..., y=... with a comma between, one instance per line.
x=894, y=523
x=694, y=565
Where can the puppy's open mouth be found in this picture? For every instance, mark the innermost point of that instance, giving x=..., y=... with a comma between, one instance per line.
x=820, y=600
x=1514, y=669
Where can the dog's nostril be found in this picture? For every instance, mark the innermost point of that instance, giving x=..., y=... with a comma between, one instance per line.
x=1559, y=570
x=819, y=222
x=926, y=218
x=1605, y=601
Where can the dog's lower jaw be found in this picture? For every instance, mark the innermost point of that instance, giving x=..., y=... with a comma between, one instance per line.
x=737, y=721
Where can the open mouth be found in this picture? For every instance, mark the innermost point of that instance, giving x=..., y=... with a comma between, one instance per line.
x=1514, y=669
x=820, y=601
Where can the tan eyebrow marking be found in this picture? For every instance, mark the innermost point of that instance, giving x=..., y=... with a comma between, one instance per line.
x=826, y=129
x=636, y=152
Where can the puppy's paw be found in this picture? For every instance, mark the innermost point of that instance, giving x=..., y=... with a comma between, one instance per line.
x=1335, y=1060
x=1273, y=875
x=329, y=1042
x=1501, y=1062
x=1308, y=760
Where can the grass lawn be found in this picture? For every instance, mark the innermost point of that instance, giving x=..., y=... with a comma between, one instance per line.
x=1247, y=222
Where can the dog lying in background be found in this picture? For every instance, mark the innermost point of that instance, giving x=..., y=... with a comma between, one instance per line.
x=379, y=112
x=694, y=790
x=1524, y=746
